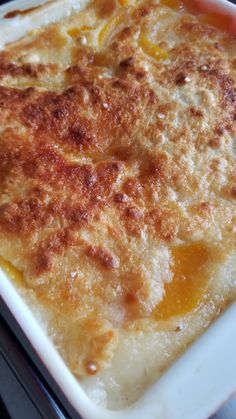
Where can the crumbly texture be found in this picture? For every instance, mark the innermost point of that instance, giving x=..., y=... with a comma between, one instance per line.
x=117, y=165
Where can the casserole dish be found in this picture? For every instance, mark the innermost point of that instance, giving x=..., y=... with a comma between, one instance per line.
x=193, y=388
x=161, y=408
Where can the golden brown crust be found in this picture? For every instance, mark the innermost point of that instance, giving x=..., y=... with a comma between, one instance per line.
x=103, y=256
x=111, y=153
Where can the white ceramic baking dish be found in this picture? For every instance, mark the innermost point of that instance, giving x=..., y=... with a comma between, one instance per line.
x=203, y=378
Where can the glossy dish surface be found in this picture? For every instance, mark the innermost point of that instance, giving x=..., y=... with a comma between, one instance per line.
x=117, y=207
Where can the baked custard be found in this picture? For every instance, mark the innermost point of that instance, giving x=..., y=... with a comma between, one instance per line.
x=118, y=184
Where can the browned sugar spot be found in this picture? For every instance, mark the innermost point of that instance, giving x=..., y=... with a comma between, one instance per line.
x=8, y=68
x=233, y=192
x=127, y=63
x=195, y=112
x=164, y=222
x=92, y=368
x=81, y=134
x=158, y=167
x=133, y=188
x=105, y=8
x=215, y=142
x=205, y=207
x=106, y=258
x=16, y=12
x=133, y=212
x=56, y=243
x=120, y=198
x=24, y=216
x=190, y=279
x=182, y=79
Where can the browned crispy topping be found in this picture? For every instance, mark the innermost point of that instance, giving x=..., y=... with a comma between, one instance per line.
x=233, y=192
x=182, y=79
x=164, y=224
x=105, y=8
x=104, y=257
x=16, y=12
x=23, y=216
x=120, y=198
x=117, y=156
x=92, y=368
x=23, y=70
